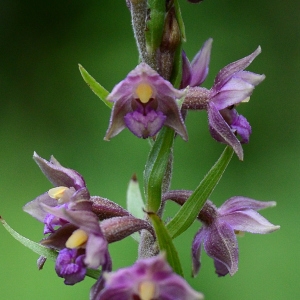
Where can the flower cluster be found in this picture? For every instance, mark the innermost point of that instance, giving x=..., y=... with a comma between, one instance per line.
x=157, y=93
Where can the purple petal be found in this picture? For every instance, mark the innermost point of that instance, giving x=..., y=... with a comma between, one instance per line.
x=220, y=243
x=96, y=251
x=250, y=221
x=144, y=126
x=221, y=131
x=196, y=250
x=227, y=72
x=233, y=92
x=34, y=207
x=116, y=122
x=58, y=175
x=186, y=71
x=125, y=283
x=242, y=127
x=239, y=203
x=221, y=269
x=174, y=119
x=70, y=266
x=200, y=64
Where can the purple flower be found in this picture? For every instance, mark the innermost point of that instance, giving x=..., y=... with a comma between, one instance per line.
x=69, y=265
x=80, y=241
x=220, y=226
x=232, y=86
x=150, y=278
x=144, y=102
x=69, y=189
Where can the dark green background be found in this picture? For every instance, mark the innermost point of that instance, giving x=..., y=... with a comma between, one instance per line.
x=46, y=107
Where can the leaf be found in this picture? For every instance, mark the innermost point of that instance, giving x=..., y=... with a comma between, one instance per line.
x=134, y=200
x=191, y=208
x=96, y=87
x=40, y=249
x=155, y=24
x=135, y=203
x=156, y=166
x=166, y=244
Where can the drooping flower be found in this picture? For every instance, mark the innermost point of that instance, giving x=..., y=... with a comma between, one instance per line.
x=150, y=278
x=232, y=86
x=144, y=102
x=220, y=226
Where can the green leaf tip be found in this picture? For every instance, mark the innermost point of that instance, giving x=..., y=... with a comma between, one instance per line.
x=40, y=249
x=96, y=87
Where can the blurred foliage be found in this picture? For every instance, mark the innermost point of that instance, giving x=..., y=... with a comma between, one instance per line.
x=48, y=108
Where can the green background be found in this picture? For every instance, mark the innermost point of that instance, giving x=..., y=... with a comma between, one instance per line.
x=46, y=107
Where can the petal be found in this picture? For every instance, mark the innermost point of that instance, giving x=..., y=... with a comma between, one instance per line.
x=186, y=71
x=242, y=127
x=116, y=122
x=34, y=207
x=200, y=64
x=233, y=92
x=221, y=131
x=175, y=287
x=58, y=175
x=196, y=250
x=144, y=126
x=221, y=269
x=227, y=72
x=239, y=203
x=249, y=220
x=86, y=220
x=96, y=251
x=169, y=108
x=220, y=243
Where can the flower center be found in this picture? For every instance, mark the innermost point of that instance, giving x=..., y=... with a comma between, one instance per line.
x=77, y=239
x=144, y=92
x=146, y=290
x=57, y=192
